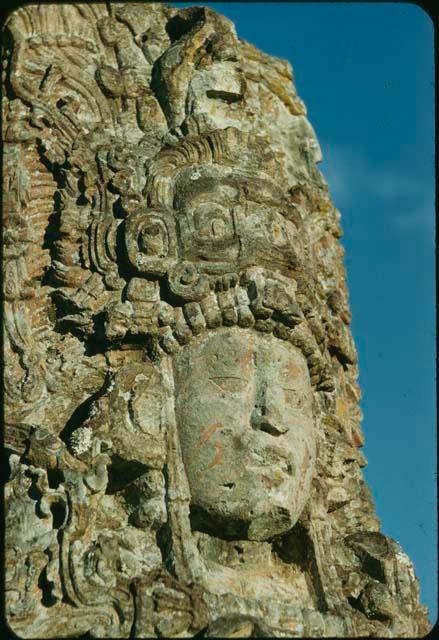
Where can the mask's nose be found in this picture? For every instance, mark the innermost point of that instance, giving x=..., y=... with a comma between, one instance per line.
x=265, y=416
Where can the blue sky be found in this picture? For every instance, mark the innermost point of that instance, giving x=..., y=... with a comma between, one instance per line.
x=365, y=72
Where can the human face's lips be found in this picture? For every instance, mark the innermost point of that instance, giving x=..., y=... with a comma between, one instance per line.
x=272, y=458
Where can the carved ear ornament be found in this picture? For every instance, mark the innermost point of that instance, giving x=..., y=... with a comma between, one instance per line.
x=151, y=241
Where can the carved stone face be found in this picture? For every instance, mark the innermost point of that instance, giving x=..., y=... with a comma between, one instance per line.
x=243, y=403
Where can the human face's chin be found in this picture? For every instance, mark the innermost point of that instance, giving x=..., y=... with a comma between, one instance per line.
x=264, y=494
x=256, y=490
x=249, y=509
x=270, y=508
x=258, y=501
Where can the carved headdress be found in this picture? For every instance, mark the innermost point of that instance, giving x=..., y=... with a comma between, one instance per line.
x=210, y=240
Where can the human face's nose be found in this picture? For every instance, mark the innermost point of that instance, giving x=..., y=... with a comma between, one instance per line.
x=265, y=415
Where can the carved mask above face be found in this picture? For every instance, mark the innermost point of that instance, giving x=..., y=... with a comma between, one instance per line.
x=246, y=428
x=207, y=210
x=228, y=221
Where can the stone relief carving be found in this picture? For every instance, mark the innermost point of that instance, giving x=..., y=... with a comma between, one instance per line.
x=182, y=408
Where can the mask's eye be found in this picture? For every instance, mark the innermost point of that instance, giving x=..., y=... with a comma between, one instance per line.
x=213, y=221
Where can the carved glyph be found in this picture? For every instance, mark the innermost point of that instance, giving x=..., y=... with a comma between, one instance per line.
x=182, y=408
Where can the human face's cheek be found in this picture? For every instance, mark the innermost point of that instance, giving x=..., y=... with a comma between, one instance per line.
x=212, y=422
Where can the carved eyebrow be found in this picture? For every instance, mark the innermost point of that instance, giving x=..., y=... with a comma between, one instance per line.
x=213, y=378
x=227, y=378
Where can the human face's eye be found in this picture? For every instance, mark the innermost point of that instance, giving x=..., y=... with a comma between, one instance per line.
x=293, y=397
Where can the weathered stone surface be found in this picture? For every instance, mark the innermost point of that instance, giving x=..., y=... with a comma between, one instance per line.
x=181, y=398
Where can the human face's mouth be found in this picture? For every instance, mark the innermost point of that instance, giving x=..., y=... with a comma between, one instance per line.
x=274, y=462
